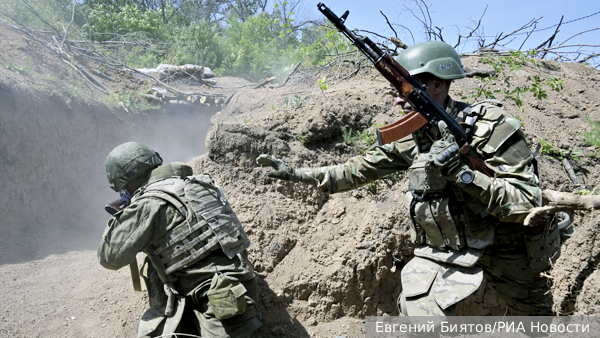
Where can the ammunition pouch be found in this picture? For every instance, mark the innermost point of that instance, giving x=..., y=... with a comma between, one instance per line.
x=425, y=178
x=226, y=297
x=433, y=223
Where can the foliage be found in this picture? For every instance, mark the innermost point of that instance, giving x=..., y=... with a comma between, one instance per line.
x=123, y=20
x=323, y=85
x=198, y=43
x=127, y=100
x=592, y=137
x=131, y=101
x=550, y=150
x=253, y=39
x=292, y=102
x=250, y=48
x=57, y=12
x=16, y=69
x=367, y=136
x=506, y=67
x=347, y=135
x=350, y=136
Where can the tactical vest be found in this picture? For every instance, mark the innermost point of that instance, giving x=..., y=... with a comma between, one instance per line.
x=445, y=227
x=451, y=229
x=210, y=223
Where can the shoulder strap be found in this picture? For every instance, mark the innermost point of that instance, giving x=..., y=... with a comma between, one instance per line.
x=170, y=190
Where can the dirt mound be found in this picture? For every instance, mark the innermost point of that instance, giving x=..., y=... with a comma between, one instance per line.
x=325, y=262
x=339, y=256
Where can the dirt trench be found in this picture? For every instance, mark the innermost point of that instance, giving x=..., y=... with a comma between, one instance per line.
x=324, y=262
x=54, y=185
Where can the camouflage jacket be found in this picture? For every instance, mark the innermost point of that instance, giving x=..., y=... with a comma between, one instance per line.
x=134, y=229
x=497, y=138
x=143, y=222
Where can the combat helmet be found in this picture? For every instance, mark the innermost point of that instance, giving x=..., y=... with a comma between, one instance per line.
x=128, y=162
x=434, y=57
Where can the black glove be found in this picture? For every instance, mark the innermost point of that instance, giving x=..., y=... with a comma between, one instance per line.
x=445, y=154
x=283, y=171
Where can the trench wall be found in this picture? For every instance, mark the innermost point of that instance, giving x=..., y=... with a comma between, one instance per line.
x=53, y=185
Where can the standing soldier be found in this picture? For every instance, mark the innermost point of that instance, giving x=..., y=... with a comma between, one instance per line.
x=196, y=269
x=465, y=224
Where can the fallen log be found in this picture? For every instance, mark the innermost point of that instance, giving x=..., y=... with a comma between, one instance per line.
x=264, y=82
x=472, y=72
x=555, y=201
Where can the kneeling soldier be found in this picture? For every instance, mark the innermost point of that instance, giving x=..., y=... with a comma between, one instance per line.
x=196, y=269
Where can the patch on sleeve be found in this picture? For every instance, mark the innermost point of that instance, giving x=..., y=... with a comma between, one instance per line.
x=501, y=133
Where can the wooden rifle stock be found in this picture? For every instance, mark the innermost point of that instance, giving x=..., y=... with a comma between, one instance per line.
x=405, y=126
x=473, y=161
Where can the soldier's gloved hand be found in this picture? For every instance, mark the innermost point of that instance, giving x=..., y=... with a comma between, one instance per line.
x=283, y=171
x=445, y=154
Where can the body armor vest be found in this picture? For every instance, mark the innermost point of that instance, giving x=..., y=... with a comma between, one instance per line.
x=210, y=223
x=440, y=219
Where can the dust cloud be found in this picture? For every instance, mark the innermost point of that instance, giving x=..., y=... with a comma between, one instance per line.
x=53, y=182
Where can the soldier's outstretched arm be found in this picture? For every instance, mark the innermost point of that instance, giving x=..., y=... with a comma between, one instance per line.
x=354, y=173
x=284, y=171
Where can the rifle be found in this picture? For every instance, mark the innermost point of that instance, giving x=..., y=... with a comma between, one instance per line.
x=119, y=204
x=427, y=112
x=113, y=208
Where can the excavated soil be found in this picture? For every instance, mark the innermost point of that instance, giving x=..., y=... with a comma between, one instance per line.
x=324, y=262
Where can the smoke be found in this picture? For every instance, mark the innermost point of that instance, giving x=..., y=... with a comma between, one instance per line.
x=53, y=182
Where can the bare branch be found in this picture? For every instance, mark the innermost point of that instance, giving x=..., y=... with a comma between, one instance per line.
x=40, y=17
x=528, y=35
x=502, y=36
x=473, y=30
x=589, y=57
x=67, y=29
x=389, y=24
x=290, y=75
x=398, y=43
x=362, y=30
x=589, y=30
x=409, y=31
x=551, y=39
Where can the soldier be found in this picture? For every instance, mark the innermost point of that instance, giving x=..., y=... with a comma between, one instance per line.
x=466, y=225
x=196, y=268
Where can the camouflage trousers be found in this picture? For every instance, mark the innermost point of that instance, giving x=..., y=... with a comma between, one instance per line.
x=194, y=314
x=505, y=265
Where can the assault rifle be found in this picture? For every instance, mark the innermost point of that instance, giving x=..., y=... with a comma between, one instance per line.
x=120, y=204
x=427, y=112
x=113, y=208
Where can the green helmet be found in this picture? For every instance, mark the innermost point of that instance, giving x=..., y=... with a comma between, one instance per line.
x=128, y=162
x=434, y=57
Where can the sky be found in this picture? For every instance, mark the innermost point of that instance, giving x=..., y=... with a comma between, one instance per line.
x=460, y=15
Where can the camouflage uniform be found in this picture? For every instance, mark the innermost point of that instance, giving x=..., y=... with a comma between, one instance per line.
x=463, y=232
x=151, y=221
